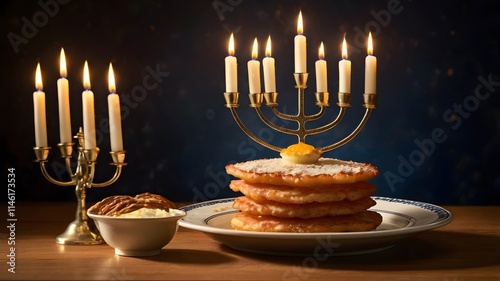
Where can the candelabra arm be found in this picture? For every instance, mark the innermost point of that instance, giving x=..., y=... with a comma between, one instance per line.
x=284, y=116
x=115, y=177
x=272, y=125
x=328, y=126
x=351, y=135
x=118, y=161
x=51, y=179
x=317, y=115
x=250, y=134
x=67, y=160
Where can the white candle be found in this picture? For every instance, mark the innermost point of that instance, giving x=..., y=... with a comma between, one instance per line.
x=269, y=69
x=300, y=48
x=63, y=98
x=370, y=69
x=344, y=71
x=231, y=68
x=321, y=76
x=39, y=111
x=254, y=70
x=88, y=110
x=115, y=121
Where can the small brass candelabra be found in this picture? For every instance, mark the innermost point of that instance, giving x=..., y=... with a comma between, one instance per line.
x=81, y=231
x=322, y=98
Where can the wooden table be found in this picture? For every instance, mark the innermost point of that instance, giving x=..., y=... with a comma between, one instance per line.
x=466, y=249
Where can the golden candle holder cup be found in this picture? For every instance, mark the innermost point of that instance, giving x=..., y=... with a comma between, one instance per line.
x=81, y=231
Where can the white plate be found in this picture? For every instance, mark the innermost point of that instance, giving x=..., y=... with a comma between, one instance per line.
x=401, y=218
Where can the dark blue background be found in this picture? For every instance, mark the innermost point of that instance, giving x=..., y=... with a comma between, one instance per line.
x=178, y=134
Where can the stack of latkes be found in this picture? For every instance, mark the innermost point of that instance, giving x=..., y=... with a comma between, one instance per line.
x=327, y=196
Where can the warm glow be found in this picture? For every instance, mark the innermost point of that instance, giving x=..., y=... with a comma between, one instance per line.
x=231, y=45
x=62, y=64
x=370, y=44
x=38, y=78
x=321, y=51
x=86, y=77
x=300, y=27
x=344, y=49
x=111, y=80
x=255, y=49
x=268, y=47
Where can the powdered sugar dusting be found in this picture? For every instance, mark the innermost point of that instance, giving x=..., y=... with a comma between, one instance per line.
x=323, y=166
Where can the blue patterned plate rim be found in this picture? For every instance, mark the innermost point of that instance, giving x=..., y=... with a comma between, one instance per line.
x=443, y=217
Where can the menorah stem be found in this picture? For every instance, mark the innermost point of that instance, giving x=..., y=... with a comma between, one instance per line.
x=81, y=231
x=301, y=119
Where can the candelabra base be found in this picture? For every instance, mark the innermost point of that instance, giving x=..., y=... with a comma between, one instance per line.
x=80, y=233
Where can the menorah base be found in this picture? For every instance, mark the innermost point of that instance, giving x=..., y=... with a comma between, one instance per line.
x=80, y=233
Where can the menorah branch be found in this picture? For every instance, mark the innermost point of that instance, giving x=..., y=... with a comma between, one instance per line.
x=351, y=135
x=344, y=101
x=250, y=134
x=329, y=126
x=272, y=125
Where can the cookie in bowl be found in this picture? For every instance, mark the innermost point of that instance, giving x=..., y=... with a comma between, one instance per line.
x=136, y=226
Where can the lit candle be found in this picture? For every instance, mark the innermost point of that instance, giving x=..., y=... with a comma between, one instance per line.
x=269, y=69
x=370, y=69
x=254, y=70
x=88, y=110
x=344, y=71
x=231, y=68
x=321, y=80
x=63, y=98
x=300, y=48
x=39, y=110
x=115, y=121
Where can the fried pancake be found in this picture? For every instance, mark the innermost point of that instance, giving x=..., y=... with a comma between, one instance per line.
x=297, y=195
x=364, y=221
x=303, y=211
x=326, y=171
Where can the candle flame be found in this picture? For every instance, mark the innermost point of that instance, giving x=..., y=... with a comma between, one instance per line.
x=38, y=78
x=300, y=27
x=62, y=64
x=268, y=47
x=370, y=44
x=231, y=45
x=321, y=51
x=111, y=80
x=86, y=76
x=255, y=49
x=344, y=49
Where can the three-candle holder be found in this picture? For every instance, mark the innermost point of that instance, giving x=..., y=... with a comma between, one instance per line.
x=81, y=231
x=322, y=101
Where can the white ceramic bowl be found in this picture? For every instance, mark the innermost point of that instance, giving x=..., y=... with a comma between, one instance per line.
x=137, y=236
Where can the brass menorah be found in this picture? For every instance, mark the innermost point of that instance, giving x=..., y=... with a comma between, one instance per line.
x=80, y=231
x=322, y=99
